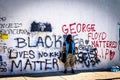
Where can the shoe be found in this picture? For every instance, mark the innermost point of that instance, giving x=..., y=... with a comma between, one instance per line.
x=65, y=71
x=72, y=71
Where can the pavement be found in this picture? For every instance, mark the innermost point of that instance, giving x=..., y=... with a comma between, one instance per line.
x=79, y=75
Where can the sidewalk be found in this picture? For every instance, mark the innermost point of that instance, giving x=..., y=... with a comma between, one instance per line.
x=96, y=75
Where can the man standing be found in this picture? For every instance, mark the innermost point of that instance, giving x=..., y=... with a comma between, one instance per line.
x=69, y=48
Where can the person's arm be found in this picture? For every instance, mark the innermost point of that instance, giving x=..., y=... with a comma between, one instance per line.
x=75, y=48
x=63, y=47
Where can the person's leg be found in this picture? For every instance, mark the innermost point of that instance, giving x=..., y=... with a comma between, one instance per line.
x=72, y=60
x=66, y=63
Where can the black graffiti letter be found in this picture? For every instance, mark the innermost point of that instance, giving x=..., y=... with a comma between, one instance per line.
x=19, y=65
x=46, y=64
x=55, y=63
x=28, y=63
x=40, y=41
x=46, y=38
x=32, y=54
x=58, y=40
x=20, y=41
x=29, y=45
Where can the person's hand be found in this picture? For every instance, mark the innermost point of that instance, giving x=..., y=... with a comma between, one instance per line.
x=76, y=48
x=63, y=52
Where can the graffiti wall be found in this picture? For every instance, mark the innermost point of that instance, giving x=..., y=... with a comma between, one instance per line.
x=32, y=34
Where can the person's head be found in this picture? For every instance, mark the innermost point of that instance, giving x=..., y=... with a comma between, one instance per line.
x=69, y=37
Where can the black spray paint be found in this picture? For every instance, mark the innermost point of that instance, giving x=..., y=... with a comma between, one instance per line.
x=47, y=42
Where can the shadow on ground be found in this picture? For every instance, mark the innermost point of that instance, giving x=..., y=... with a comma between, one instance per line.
x=45, y=74
x=59, y=73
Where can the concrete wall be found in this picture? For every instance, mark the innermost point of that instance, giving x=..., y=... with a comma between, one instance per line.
x=25, y=47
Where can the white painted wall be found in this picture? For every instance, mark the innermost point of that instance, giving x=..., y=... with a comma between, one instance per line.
x=104, y=14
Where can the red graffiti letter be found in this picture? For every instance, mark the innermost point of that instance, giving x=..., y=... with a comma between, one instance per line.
x=72, y=29
x=112, y=53
x=65, y=29
x=78, y=27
